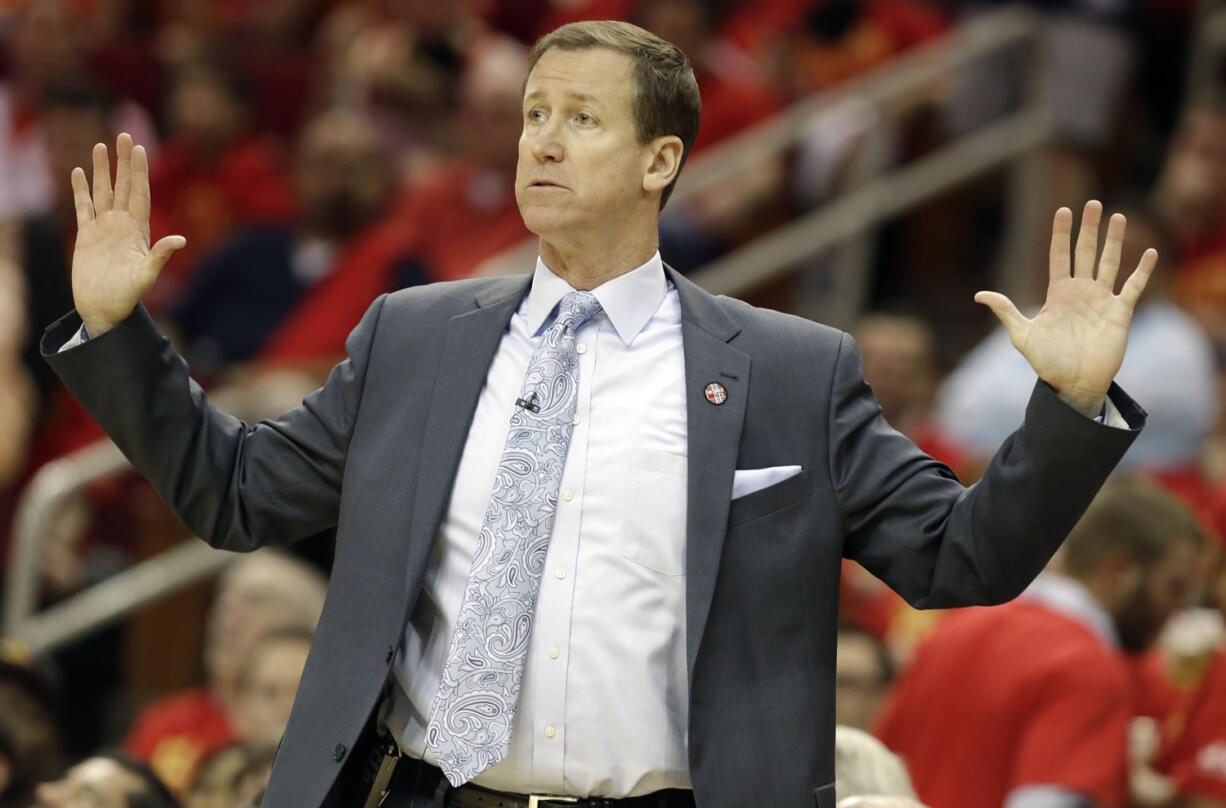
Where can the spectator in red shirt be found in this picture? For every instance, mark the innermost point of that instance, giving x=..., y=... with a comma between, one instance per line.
x=899, y=356
x=1195, y=758
x=1028, y=704
x=249, y=297
x=260, y=594
x=1196, y=761
x=212, y=175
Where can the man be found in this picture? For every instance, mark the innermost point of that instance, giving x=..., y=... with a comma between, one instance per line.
x=645, y=606
x=106, y=781
x=261, y=594
x=1034, y=699
x=248, y=293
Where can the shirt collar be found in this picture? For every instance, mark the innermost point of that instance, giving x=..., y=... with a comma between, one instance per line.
x=629, y=300
x=1070, y=598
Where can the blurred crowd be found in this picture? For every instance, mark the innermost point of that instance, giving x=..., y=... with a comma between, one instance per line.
x=316, y=153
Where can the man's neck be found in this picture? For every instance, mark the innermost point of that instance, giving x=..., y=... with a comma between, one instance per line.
x=585, y=268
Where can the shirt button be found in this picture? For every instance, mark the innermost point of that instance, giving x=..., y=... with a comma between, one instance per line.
x=550, y=732
x=568, y=495
x=580, y=348
x=554, y=653
x=574, y=419
x=559, y=573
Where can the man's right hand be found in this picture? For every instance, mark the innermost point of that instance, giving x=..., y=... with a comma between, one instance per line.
x=112, y=264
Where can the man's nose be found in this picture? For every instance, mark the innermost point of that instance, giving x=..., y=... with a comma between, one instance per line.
x=546, y=145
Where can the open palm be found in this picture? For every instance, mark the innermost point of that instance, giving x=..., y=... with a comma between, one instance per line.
x=1076, y=342
x=112, y=263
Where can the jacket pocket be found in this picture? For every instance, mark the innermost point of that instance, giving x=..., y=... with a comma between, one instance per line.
x=823, y=796
x=770, y=499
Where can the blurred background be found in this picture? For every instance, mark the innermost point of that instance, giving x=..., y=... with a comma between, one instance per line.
x=867, y=163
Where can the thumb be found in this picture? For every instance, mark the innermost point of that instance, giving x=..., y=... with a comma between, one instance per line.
x=158, y=255
x=1005, y=311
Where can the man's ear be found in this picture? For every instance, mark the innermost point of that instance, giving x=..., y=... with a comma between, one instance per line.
x=664, y=161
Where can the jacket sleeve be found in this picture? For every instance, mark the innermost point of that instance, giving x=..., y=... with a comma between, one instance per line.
x=238, y=486
x=910, y=522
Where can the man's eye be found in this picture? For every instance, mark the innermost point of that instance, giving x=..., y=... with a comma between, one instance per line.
x=584, y=118
x=536, y=115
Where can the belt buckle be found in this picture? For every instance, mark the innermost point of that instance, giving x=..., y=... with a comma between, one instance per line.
x=540, y=800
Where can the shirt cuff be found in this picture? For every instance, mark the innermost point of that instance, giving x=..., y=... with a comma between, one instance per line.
x=79, y=338
x=1111, y=415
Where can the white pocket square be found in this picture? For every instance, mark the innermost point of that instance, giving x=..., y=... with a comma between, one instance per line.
x=747, y=481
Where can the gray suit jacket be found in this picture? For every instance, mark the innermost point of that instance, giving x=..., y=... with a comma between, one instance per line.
x=375, y=450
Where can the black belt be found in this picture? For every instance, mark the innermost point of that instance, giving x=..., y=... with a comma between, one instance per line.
x=420, y=778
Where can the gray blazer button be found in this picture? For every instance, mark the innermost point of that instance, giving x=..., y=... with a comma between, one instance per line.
x=338, y=754
x=391, y=652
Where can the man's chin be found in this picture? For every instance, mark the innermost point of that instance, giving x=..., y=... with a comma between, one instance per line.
x=546, y=221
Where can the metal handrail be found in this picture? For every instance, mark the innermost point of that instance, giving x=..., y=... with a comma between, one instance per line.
x=1012, y=139
x=53, y=485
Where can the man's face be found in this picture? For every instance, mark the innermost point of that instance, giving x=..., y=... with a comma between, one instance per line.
x=1162, y=589
x=1194, y=175
x=95, y=783
x=897, y=357
x=581, y=165
x=342, y=181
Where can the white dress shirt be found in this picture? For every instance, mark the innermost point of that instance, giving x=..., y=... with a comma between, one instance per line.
x=603, y=708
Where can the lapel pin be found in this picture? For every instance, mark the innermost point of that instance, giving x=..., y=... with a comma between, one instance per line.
x=716, y=393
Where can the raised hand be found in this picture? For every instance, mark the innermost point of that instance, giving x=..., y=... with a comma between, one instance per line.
x=112, y=264
x=1076, y=342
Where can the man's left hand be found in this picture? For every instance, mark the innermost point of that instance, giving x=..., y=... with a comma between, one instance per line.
x=1076, y=342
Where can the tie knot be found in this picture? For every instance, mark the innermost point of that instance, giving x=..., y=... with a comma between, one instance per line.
x=575, y=310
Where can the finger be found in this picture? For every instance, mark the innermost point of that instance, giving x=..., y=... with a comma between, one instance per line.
x=1012, y=319
x=102, y=180
x=1109, y=263
x=158, y=255
x=123, y=170
x=1061, y=230
x=80, y=198
x=1135, y=285
x=1087, y=240
x=138, y=199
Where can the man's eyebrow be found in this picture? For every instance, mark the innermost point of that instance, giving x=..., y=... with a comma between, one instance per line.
x=572, y=95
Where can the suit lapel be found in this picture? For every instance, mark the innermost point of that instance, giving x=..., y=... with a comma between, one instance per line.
x=714, y=435
x=468, y=349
